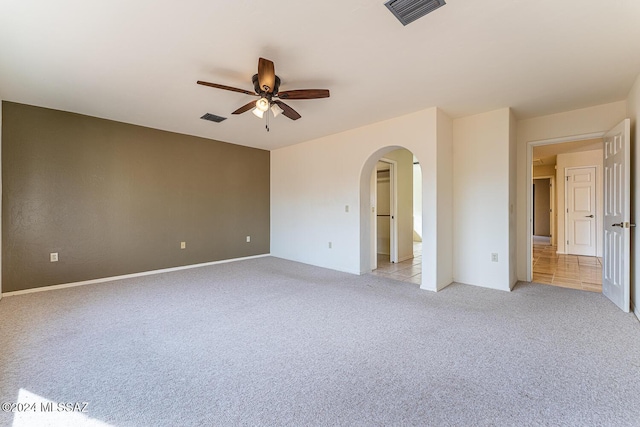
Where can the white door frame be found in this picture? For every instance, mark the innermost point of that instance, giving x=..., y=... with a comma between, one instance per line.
x=530, y=145
x=393, y=226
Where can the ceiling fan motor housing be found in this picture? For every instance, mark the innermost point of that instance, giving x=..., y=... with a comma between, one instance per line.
x=258, y=89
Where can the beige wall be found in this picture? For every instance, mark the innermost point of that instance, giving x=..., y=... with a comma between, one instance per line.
x=561, y=126
x=544, y=170
x=383, y=210
x=633, y=111
x=114, y=199
x=542, y=207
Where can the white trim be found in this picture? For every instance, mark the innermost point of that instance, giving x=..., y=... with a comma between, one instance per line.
x=128, y=276
x=635, y=310
x=529, y=170
x=571, y=138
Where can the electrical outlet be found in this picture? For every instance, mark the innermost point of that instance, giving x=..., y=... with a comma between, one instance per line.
x=494, y=257
x=248, y=239
x=53, y=257
x=330, y=245
x=346, y=208
x=183, y=245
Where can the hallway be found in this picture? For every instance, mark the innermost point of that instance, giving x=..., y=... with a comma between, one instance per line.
x=409, y=271
x=567, y=271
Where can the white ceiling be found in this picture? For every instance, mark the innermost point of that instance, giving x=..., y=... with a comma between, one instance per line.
x=138, y=61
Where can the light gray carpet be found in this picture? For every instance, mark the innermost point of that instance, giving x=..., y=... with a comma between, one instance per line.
x=273, y=342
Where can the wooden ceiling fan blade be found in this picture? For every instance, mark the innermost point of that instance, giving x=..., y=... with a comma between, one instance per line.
x=266, y=75
x=245, y=108
x=288, y=111
x=217, y=86
x=304, y=94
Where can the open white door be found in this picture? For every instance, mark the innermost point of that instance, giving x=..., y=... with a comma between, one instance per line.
x=615, y=263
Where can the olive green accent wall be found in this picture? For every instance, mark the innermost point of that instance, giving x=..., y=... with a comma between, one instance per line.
x=112, y=198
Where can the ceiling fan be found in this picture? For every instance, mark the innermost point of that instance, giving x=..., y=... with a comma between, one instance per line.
x=266, y=85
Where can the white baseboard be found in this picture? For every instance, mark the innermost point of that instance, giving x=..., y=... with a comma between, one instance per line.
x=635, y=310
x=126, y=276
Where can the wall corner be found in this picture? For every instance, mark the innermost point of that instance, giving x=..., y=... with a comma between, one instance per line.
x=444, y=138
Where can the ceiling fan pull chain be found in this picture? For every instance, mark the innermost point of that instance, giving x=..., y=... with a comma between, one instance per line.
x=267, y=125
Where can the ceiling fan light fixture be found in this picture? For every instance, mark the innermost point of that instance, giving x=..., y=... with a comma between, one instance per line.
x=262, y=104
x=258, y=113
x=276, y=110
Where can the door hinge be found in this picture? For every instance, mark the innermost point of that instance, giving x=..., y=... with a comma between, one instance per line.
x=567, y=242
x=567, y=178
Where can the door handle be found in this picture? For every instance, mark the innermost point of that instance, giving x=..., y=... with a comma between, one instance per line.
x=623, y=225
x=588, y=216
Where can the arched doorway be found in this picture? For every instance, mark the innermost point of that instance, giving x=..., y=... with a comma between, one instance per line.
x=391, y=243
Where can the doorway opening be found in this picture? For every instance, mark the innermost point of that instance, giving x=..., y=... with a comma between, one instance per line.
x=543, y=209
x=565, y=214
x=386, y=241
x=394, y=241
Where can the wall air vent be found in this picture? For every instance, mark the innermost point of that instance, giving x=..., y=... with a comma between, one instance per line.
x=213, y=118
x=408, y=11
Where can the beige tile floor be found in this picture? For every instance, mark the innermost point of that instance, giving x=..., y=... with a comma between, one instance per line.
x=406, y=271
x=549, y=268
x=567, y=271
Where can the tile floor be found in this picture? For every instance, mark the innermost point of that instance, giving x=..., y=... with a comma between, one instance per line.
x=406, y=271
x=549, y=268
x=567, y=271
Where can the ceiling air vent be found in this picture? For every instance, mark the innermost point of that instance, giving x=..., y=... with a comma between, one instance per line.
x=408, y=11
x=213, y=118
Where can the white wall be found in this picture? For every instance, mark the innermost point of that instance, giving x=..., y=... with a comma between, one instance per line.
x=586, y=121
x=573, y=160
x=481, y=147
x=633, y=112
x=444, y=202
x=513, y=195
x=308, y=202
x=0, y=198
x=417, y=202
